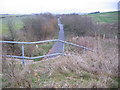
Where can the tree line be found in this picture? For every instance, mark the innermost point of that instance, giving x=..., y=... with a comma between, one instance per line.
x=83, y=25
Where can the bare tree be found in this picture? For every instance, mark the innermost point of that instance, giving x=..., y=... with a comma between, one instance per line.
x=78, y=25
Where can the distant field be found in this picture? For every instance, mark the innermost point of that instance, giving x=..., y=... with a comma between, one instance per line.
x=17, y=24
x=0, y=26
x=8, y=15
x=107, y=17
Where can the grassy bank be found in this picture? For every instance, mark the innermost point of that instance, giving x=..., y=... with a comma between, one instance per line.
x=83, y=69
x=44, y=49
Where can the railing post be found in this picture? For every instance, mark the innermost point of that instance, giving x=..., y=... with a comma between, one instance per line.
x=23, y=54
x=63, y=47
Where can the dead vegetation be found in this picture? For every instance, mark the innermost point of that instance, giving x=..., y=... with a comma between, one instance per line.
x=34, y=28
x=76, y=69
x=105, y=57
x=82, y=25
x=101, y=65
x=15, y=75
x=79, y=68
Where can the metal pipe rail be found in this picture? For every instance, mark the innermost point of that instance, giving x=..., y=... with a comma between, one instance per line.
x=21, y=57
x=76, y=45
x=15, y=42
x=55, y=40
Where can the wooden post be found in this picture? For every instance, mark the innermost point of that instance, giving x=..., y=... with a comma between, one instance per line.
x=115, y=37
x=103, y=36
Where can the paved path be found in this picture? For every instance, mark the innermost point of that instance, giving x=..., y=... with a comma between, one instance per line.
x=58, y=47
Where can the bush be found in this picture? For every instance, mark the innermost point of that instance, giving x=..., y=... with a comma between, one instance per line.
x=15, y=75
x=81, y=25
x=36, y=27
x=39, y=27
x=78, y=25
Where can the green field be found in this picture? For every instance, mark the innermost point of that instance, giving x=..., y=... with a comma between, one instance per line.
x=107, y=17
x=15, y=21
x=6, y=15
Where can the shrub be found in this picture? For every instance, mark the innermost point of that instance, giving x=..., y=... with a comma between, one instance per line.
x=16, y=75
x=78, y=25
x=36, y=27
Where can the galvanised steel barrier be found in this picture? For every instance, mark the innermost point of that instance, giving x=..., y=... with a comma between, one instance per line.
x=38, y=42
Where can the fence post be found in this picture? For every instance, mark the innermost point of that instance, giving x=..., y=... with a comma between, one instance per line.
x=115, y=37
x=23, y=54
x=63, y=47
x=103, y=36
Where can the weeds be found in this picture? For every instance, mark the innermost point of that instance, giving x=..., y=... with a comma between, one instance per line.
x=15, y=74
x=76, y=69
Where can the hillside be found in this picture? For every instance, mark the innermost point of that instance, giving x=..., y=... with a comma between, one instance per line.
x=77, y=68
x=106, y=17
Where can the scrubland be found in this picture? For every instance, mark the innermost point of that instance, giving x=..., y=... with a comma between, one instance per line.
x=77, y=68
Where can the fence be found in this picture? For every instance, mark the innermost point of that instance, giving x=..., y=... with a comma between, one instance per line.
x=48, y=55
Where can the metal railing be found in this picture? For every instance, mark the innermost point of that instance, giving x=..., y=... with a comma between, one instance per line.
x=38, y=42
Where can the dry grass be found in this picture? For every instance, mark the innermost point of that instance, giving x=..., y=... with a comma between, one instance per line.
x=73, y=71
x=105, y=57
x=82, y=70
x=15, y=74
x=79, y=69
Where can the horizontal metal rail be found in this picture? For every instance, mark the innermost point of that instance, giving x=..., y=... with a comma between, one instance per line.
x=21, y=57
x=15, y=42
x=48, y=55
x=76, y=45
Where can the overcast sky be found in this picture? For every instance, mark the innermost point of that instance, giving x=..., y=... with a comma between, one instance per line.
x=57, y=6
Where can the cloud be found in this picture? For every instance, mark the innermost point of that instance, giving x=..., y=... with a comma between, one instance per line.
x=61, y=6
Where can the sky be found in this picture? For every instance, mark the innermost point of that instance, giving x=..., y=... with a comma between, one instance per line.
x=56, y=6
